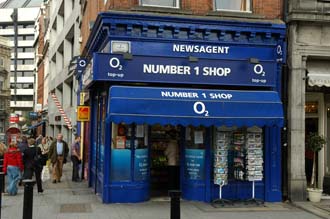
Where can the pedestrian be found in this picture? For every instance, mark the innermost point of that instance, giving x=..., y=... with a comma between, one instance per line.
x=13, y=166
x=39, y=139
x=172, y=154
x=58, y=153
x=44, y=147
x=32, y=164
x=3, y=150
x=23, y=144
x=76, y=159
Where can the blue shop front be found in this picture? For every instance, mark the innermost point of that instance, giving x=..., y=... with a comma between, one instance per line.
x=214, y=84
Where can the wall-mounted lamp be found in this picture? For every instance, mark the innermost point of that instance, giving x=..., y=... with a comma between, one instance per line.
x=193, y=59
x=120, y=47
x=254, y=60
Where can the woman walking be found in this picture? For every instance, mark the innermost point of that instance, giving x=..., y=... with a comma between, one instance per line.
x=31, y=164
x=13, y=166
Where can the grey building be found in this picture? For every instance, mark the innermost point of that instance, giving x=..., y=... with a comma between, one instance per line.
x=308, y=90
x=64, y=46
x=17, y=22
x=4, y=86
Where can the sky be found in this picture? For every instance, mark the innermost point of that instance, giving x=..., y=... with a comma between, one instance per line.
x=2, y=1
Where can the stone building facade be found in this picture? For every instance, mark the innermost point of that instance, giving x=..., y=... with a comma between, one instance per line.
x=308, y=90
x=4, y=86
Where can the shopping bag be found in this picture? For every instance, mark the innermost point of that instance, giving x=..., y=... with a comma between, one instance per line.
x=45, y=174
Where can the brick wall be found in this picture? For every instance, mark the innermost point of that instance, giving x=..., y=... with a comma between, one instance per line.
x=270, y=9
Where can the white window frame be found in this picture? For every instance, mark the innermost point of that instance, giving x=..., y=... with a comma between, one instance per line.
x=231, y=10
x=177, y=3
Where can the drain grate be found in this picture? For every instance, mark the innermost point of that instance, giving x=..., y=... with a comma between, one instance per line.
x=76, y=208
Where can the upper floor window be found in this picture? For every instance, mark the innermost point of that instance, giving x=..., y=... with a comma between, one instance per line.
x=160, y=3
x=2, y=64
x=233, y=5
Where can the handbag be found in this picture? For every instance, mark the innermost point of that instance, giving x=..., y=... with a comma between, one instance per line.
x=40, y=160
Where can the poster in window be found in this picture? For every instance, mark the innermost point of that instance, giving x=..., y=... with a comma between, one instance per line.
x=120, y=142
x=198, y=137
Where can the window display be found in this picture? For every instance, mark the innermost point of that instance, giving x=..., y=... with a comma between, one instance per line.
x=238, y=156
x=254, y=156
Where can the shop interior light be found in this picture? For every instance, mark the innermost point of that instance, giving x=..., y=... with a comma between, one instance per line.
x=254, y=60
x=193, y=59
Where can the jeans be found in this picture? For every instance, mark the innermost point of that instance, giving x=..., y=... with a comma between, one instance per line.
x=14, y=175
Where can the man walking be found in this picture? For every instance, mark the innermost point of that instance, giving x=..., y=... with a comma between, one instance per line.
x=58, y=153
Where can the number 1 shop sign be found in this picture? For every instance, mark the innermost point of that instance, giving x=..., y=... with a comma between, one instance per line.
x=110, y=67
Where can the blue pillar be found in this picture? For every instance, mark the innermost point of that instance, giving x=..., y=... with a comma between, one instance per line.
x=273, y=189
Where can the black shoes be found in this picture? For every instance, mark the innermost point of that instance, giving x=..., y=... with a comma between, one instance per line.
x=39, y=192
x=54, y=181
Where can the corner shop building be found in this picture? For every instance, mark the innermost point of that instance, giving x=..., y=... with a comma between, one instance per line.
x=202, y=77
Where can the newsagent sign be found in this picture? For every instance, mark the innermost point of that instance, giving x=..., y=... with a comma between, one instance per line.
x=184, y=70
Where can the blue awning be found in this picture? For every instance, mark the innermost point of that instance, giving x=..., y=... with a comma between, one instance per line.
x=194, y=106
x=36, y=125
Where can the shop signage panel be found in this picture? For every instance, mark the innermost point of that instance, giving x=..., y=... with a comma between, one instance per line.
x=83, y=113
x=194, y=106
x=14, y=118
x=210, y=51
x=110, y=67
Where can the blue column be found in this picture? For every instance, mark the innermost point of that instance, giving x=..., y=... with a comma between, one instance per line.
x=273, y=170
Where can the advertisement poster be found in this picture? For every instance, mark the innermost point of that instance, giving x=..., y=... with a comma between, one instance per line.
x=194, y=164
x=120, y=142
x=139, y=131
x=141, y=164
x=198, y=137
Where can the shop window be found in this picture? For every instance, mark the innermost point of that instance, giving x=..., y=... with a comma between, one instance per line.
x=233, y=5
x=160, y=3
x=195, y=153
x=129, y=140
x=311, y=107
x=195, y=137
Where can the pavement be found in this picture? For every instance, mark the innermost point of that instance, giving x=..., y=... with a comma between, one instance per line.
x=74, y=200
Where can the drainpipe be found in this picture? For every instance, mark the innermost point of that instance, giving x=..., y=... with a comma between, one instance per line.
x=284, y=132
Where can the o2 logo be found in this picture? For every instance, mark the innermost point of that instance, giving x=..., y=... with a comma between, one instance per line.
x=259, y=70
x=200, y=109
x=115, y=63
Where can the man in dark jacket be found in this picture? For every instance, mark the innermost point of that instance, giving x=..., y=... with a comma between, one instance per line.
x=58, y=153
x=31, y=165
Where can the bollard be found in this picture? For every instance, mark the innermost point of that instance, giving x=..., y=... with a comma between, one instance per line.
x=175, y=203
x=28, y=198
x=2, y=185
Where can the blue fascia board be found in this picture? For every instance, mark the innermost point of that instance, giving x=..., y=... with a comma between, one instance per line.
x=106, y=24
